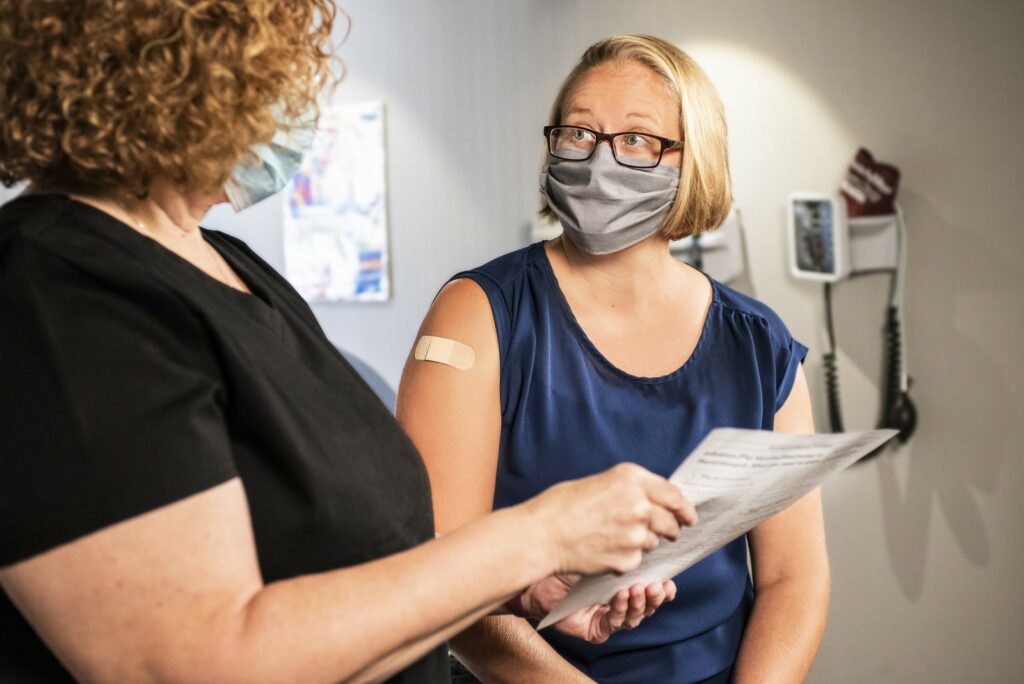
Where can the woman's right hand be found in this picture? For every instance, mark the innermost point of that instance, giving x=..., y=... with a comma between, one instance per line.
x=605, y=522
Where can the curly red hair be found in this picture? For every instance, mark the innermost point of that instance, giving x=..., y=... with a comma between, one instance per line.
x=97, y=95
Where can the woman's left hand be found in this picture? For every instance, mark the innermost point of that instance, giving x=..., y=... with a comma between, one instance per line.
x=626, y=610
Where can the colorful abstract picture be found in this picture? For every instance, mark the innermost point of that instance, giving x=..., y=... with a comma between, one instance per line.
x=335, y=223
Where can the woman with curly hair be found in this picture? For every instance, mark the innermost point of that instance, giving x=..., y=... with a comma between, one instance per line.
x=194, y=485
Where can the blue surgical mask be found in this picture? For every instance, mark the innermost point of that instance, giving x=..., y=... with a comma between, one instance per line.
x=257, y=179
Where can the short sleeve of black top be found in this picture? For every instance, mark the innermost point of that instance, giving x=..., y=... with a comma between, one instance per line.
x=129, y=380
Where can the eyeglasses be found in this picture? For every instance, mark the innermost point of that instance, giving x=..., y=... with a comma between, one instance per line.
x=635, y=150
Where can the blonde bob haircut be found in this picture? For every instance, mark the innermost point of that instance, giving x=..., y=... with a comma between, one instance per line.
x=704, y=195
x=105, y=95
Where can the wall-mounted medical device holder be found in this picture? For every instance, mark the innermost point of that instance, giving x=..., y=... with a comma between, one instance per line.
x=826, y=244
x=718, y=253
x=882, y=250
x=818, y=240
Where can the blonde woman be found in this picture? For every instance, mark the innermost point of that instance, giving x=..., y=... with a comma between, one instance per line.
x=599, y=348
x=194, y=485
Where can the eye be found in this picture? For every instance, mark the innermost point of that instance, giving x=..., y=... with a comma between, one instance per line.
x=578, y=134
x=635, y=140
x=575, y=137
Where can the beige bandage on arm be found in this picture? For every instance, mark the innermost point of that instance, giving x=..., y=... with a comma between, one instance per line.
x=443, y=350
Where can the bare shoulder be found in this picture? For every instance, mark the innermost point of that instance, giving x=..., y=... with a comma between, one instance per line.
x=461, y=300
x=461, y=311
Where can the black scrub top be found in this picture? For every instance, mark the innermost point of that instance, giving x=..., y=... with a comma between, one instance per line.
x=129, y=379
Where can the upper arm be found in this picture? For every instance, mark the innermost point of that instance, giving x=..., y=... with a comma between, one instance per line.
x=792, y=543
x=795, y=414
x=454, y=416
x=136, y=601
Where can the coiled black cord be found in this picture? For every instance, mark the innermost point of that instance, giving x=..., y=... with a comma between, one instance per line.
x=835, y=409
x=898, y=411
x=893, y=356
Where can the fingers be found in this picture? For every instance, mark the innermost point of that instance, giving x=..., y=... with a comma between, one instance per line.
x=628, y=608
x=660, y=492
x=617, y=609
x=599, y=629
x=655, y=595
x=637, y=606
x=630, y=560
x=663, y=523
x=620, y=514
x=665, y=494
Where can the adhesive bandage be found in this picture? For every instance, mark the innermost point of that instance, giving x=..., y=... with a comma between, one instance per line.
x=443, y=350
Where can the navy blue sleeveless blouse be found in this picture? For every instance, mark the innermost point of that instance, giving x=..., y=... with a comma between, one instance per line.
x=567, y=412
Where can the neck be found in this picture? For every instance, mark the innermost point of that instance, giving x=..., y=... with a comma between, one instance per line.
x=166, y=214
x=166, y=209
x=632, y=275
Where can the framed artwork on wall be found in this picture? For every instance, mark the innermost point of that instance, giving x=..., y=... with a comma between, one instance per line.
x=335, y=222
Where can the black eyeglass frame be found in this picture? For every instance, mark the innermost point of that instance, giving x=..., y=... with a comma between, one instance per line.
x=666, y=144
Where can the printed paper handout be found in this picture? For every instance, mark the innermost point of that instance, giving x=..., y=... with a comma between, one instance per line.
x=736, y=479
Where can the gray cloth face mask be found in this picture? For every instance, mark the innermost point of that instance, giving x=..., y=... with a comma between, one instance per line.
x=605, y=207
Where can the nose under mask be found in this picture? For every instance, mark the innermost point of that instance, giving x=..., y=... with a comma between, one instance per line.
x=605, y=207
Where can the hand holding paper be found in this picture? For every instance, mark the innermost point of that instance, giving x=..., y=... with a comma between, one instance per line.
x=737, y=479
x=596, y=624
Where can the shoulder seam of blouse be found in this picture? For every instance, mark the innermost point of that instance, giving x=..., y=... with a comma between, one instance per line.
x=748, y=314
x=518, y=274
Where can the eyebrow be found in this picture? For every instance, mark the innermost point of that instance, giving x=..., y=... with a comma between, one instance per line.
x=633, y=115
